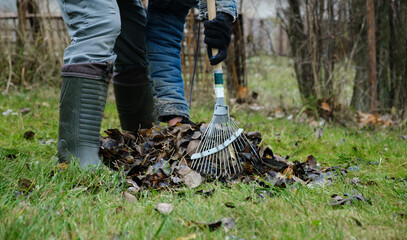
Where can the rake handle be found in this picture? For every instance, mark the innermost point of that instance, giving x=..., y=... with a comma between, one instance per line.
x=212, y=15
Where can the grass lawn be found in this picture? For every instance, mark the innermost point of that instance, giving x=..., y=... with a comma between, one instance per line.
x=39, y=203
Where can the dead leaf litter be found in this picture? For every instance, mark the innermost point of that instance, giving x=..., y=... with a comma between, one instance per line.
x=159, y=158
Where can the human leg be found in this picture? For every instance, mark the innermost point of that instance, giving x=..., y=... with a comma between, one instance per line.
x=131, y=87
x=164, y=33
x=82, y=104
x=134, y=101
x=93, y=27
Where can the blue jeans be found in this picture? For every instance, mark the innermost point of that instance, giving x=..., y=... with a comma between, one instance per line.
x=164, y=33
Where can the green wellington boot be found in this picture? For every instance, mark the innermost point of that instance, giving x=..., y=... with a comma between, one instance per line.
x=134, y=101
x=81, y=110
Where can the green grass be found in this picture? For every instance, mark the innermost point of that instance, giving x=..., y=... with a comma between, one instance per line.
x=273, y=78
x=73, y=204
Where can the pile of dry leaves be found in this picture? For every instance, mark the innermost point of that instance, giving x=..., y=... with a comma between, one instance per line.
x=159, y=158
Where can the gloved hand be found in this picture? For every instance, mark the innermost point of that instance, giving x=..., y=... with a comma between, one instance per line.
x=218, y=33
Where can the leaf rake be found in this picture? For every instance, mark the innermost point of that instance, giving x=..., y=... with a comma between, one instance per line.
x=220, y=151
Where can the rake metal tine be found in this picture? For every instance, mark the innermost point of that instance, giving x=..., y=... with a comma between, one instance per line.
x=221, y=154
x=206, y=138
x=217, y=171
x=194, y=163
x=244, y=138
x=201, y=162
x=208, y=164
x=237, y=161
x=227, y=161
x=203, y=146
x=227, y=153
x=238, y=166
x=209, y=158
x=231, y=162
x=219, y=139
x=204, y=163
x=257, y=157
x=232, y=148
x=234, y=129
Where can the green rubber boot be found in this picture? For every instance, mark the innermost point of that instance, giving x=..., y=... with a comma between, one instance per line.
x=82, y=104
x=134, y=101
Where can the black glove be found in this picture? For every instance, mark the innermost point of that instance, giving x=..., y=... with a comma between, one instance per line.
x=218, y=33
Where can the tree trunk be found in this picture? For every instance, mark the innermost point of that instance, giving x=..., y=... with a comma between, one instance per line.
x=360, y=98
x=400, y=51
x=371, y=45
x=328, y=56
x=383, y=49
x=301, y=55
x=398, y=55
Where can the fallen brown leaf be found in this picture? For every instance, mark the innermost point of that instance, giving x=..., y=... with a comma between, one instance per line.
x=192, y=179
x=188, y=237
x=129, y=197
x=164, y=208
x=25, y=110
x=192, y=146
x=325, y=106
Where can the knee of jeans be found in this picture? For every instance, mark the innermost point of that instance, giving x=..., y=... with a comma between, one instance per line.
x=115, y=24
x=95, y=25
x=109, y=24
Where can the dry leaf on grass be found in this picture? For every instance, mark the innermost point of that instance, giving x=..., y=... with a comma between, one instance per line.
x=192, y=179
x=325, y=106
x=129, y=197
x=25, y=110
x=369, y=119
x=164, y=208
x=188, y=237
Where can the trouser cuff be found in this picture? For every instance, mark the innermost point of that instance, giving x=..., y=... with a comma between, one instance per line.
x=97, y=71
x=168, y=111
